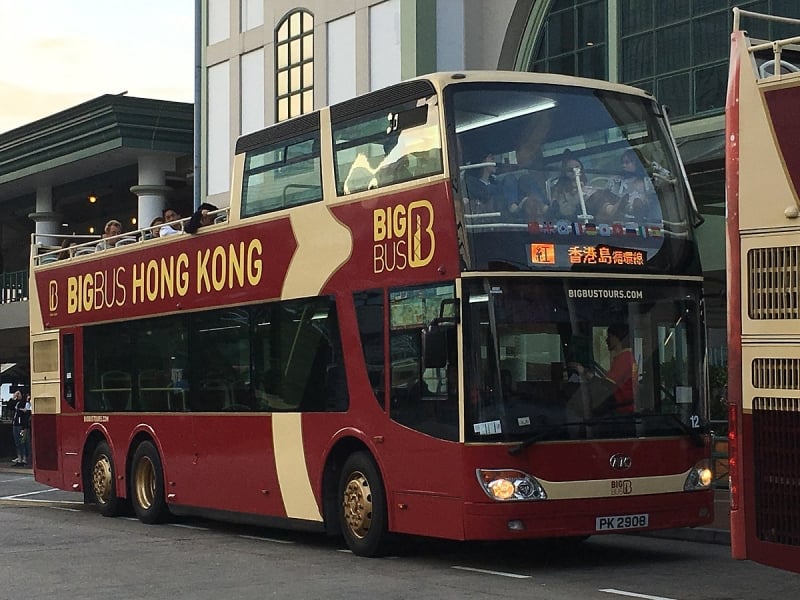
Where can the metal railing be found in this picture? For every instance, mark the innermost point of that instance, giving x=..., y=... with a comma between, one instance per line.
x=76, y=246
x=777, y=64
x=14, y=287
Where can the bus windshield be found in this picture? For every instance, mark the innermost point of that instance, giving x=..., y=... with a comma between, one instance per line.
x=554, y=177
x=569, y=359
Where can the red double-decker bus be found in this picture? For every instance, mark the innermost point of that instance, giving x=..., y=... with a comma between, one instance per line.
x=763, y=198
x=468, y=306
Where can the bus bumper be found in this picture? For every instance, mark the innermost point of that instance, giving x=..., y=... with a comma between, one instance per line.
x=564, y=518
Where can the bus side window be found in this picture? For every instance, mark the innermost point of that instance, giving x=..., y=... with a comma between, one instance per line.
x=298, y=361
x=370, y=314
x=369, y=155
x=287, y=173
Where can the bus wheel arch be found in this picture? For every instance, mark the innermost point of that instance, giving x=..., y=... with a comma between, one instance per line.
x=362, y=507
x=146, y=489
x=331, y=504
x=100, y=477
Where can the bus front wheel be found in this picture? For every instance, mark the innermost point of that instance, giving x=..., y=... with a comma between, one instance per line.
x=147, y=485
x=363, y=513
x=103, y=480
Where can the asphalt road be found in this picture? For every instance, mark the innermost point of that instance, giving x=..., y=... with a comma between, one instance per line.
x=54, y=546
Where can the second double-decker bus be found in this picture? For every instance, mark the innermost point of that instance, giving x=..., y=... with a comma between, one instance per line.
x=468, y=306
x=763, y=196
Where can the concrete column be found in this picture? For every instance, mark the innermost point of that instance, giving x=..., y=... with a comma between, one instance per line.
x=151, y=190
x=46, y=220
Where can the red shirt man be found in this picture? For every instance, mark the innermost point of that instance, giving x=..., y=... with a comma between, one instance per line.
x=623, y=370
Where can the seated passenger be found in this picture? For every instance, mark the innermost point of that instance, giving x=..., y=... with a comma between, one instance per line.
x=634, y=189
x=172, y=223
x=566, y=195
x=201, y=217
x=482, y=189
x=524, y=199
x=111, y=229
x=155, y=226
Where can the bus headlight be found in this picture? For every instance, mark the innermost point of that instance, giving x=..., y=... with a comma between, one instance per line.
x=510, y=484
x=700, y=477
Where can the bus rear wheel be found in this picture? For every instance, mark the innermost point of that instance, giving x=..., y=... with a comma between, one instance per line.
x=363, y=514
x=103, y=482
x=147, y=485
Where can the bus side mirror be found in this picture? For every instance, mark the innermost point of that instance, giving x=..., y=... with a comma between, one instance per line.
x=434, y=346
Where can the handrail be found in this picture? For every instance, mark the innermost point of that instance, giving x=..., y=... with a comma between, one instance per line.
x=738, y=12
x=52, y=254
x=776, y=64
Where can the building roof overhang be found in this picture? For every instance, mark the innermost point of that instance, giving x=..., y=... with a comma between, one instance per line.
x=98, y=136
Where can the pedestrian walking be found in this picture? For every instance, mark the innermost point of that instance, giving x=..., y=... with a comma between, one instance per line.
x=21, y=428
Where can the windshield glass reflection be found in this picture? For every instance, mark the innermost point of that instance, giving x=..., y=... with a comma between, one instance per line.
x=580, y=360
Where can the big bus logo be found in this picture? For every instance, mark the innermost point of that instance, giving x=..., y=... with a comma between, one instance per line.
x=403, y=236
x=52, y=302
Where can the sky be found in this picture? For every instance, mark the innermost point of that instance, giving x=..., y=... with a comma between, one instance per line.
x=59, y=53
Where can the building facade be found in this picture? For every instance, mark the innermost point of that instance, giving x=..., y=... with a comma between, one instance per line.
x=264, y=61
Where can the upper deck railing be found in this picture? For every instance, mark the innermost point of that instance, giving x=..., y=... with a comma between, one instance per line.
x=768, y=68
x=81, y=246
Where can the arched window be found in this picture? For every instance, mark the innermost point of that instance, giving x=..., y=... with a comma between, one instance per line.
x=294, y=65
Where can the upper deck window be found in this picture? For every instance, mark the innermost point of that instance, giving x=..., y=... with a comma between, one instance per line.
x=281, y=175
x=389, y=145
x=561, y=177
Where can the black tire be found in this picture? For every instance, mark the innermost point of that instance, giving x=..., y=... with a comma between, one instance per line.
x=102, y=489
x=147, y=485
x=363, y=514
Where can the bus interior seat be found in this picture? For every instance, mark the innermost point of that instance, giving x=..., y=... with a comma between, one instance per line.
x=154, y=392
x=116, y=390
x=213, y=394
x=126, y=241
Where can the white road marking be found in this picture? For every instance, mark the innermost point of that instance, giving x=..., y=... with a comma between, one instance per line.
x=348, y=551
x=15, y=496
x=266, y=539
x=499, y=573
x=634, y=594
x=183, y=525
x=24, y=498
x=65, y=508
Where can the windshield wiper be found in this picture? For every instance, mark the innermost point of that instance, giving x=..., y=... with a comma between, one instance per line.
x=514, y=450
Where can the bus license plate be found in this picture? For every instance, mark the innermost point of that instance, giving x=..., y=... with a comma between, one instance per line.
x=621, y=522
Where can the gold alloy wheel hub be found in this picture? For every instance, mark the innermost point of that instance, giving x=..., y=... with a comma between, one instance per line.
x=357, y=504
x=101, y=479
x=144, y=483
